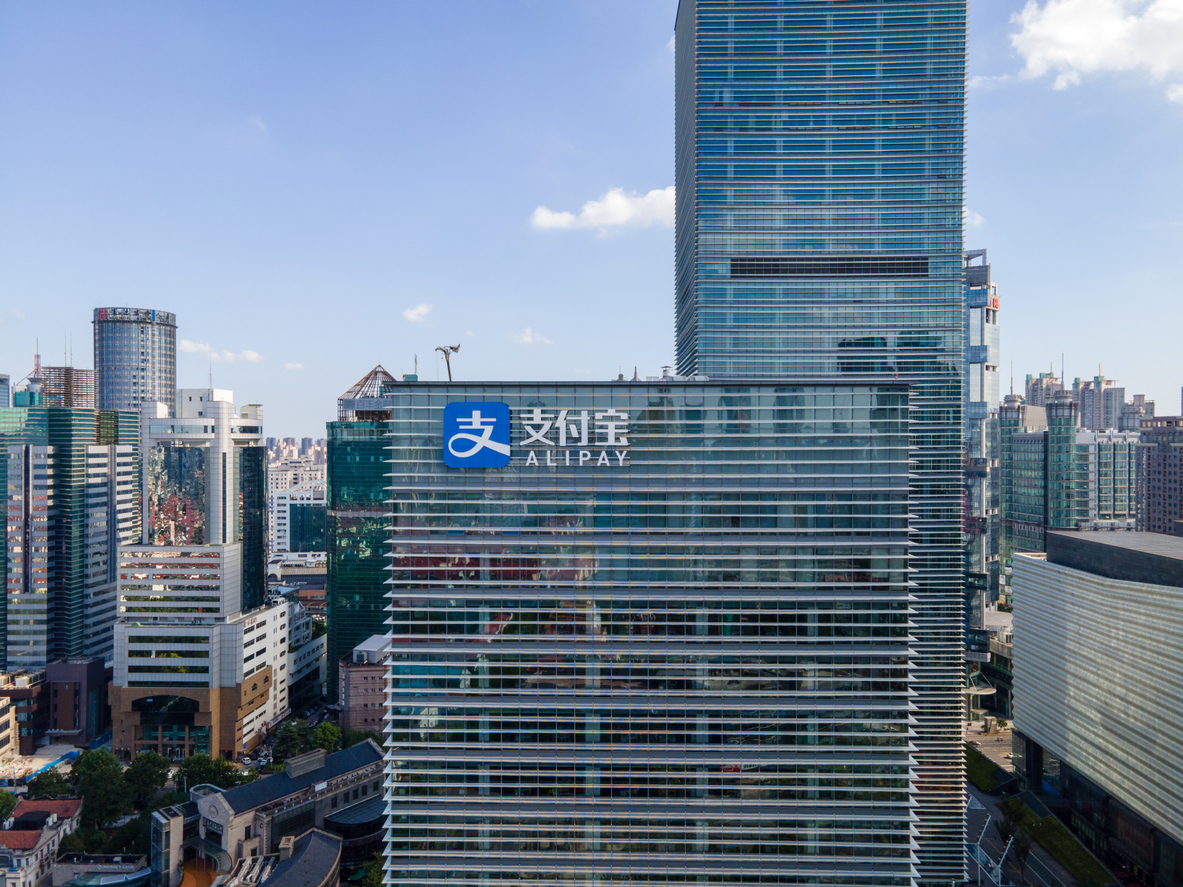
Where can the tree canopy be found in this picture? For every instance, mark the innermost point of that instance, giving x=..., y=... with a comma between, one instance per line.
x=49, y=784
x=327, y=737
x=204, y=770
x=293, y=738
x=146, y=775
x=7, y=802
x=98, y=777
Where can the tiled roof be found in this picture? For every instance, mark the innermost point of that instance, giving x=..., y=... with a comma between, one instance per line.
x=65, y=809
x=20, y=840
x=280, y=785
x=359, y=814
x=315, y=857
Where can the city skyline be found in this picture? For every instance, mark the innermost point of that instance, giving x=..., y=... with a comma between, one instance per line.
x=265, y=169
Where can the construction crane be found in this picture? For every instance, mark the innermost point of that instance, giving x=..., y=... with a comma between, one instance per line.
x=447, y=351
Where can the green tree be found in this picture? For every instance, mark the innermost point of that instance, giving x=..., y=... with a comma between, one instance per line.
x=98, y=777
x=82, y=840
x=131, y=837
x=204, y=770
x=1021, y=848
x=353, y=737
x=7, y=802
x=147, y=773
x=327, y=737
x=293, y=739
x=373, y=872
x=49, y=784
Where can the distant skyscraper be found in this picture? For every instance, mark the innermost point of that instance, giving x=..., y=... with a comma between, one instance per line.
x=982, y=354
x=135, y=357
x=68, y=387
x=5, y=391
x=1160, y=476
x=819, y=237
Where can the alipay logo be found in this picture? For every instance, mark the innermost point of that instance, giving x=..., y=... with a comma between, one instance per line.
x=476, y=435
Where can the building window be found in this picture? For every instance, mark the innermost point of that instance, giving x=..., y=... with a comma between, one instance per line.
x=333, y=803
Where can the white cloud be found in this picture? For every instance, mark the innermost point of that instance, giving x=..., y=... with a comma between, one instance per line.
x=258, y=123
x=417, y=314
x=245, y=356
x=971, y=218
x=1074, y=38
x=293, y=366
x=1175, y=93
x=470, y=334
x=615, y=209
x=672, y=45
x=529, y=337
x=15, y=313
x=981, y=81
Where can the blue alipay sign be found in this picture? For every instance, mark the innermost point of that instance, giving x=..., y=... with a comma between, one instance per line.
x=476, y=435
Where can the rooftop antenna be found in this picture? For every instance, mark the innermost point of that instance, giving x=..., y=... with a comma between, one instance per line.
x=447, y=351
x=1012, y=377
x=416, y=364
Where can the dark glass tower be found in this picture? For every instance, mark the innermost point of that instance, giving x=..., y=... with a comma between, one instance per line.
x=357, y=476
x=819, y=177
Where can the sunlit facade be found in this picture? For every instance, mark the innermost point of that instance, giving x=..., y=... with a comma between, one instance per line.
x=668, y=642
x=819, y=167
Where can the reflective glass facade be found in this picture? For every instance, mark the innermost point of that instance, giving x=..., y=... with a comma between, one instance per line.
x=684, y=661
x=819, y=176
x=175, y=490
x=57, y=516
x=135, y=358
x=355, y=591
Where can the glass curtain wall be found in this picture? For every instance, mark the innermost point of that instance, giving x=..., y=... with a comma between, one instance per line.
x=355, y=590
x=819, y=175
x=688, y=665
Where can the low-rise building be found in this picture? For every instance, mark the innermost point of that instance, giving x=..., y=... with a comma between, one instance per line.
x=1098, y=660
x=226, y=826
x=79, y=710
x=361, y=685
x=30, y=838
x=92, y=870
x=311, y=860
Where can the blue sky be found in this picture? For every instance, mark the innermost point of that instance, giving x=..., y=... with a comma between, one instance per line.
x=296, y=181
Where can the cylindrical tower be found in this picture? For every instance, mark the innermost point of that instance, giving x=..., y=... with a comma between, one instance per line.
x=135, y=358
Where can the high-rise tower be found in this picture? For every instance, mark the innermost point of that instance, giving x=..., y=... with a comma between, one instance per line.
x=135, y=358
x=819, y=177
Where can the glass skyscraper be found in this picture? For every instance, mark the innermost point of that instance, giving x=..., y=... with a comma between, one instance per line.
x=135, y=358
x=819, y=158
x=663, y=637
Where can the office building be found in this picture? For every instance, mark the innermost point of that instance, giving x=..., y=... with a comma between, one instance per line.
x=980, y=462
x=205, y=478
x=1059, y=476
x=224, y=827
x=26, y=695
x=357, y=474
x=196, y=673
x=68, y=387
x=1160, y=476
x=1097, y=654
x=361, y=693
x=298, y=519
x=661, y=629
x=135, y=357
x=819, y=165
x=72, y=490
x=79, y=710
x=5, y=391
